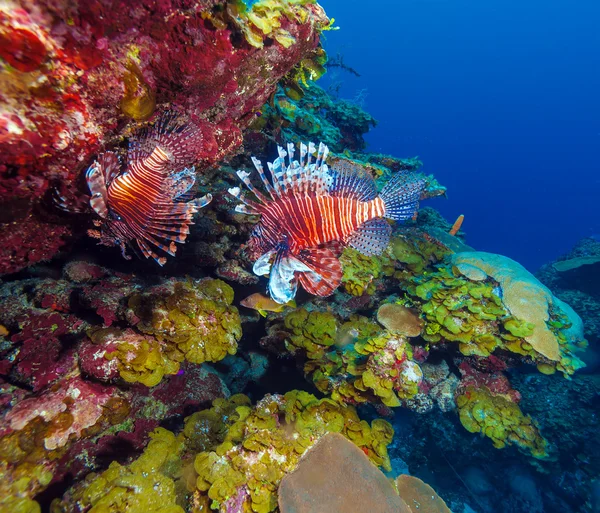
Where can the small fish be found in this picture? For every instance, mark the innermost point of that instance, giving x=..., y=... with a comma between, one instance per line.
x=148, y=203
x=263, y=304
x=311, y=210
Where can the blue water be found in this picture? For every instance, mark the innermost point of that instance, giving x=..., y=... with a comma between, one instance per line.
x=499, y=98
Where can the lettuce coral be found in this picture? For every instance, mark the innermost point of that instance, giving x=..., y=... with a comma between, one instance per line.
x=269, y=18
x=505, y=310
x=499, y=419
x=250, y=449
x=354, y=361
x=138, y=358
x=144, y=486
x=546, y=336
x=195, y=316
x=361, y=271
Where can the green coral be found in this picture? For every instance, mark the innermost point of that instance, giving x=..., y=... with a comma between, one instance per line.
x=499, y=419
x=314, y=332
x=360, y=272
x=415, y=252
x=305, y=112
x=553, y=331
x=140, y=359
x=265, y=18
x=355, y=361
x=144, y=486
x=467, y=306
x=196, y=317
x=252, y=448
x=461, y=311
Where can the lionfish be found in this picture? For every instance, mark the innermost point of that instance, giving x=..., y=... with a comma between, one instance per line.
x=312, y=210
x=149, y=202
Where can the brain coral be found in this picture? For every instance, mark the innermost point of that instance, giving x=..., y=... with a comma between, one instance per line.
x=523, y=295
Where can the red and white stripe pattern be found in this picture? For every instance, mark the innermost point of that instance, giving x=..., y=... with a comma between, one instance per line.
x=144, y=204
x=310, y=208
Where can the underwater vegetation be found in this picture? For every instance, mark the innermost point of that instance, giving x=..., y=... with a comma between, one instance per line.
x=131, y=387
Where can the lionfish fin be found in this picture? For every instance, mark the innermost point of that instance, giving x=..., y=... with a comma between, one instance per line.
x=371, y=237
x=261, y=172
x=181, y=140
x=177, y=185
x=244, y=176
x=325, y=273
x=401, y=196
x=248, y=206
x=301, y=176
x=283, y=277
x=98, y=177
x=352, y=181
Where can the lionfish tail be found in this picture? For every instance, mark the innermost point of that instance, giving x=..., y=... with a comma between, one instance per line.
x=318, y=271
x=401, y=196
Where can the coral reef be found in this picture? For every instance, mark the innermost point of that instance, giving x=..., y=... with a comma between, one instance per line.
x=232, y=455
x=487, y=302
x=195, y=317
x=73, y=74
x=573, y=278
x=499, y=419
x=116, y=379
x=338, y=123
x=353, y=361
x=146, y=484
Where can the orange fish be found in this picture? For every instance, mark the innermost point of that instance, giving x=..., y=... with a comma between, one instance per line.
x=311, y=209
x=263, y=304
x=148, y=202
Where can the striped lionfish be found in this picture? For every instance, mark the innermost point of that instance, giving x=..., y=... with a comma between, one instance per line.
x=311, y=209
x=148, y=203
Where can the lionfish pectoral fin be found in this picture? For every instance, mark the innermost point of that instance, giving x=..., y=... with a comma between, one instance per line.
x=324, y=273
x=180, y=183
x=262, y=267
x=283, y=273
x=401, y=196
x=371, y=237
x=203, y=201
x=95, y=177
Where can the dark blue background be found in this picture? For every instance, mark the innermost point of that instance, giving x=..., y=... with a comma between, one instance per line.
x=499, y=98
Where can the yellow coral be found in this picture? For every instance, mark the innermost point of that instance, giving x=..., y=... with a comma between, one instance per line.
x=266, y=18
x=314, y=332
x=146, y=485
x=360, y=271
x=197, y=317
x=499, y=419
x=253, y=448
x=139, y=100
x=139, y=359
x=524, y=296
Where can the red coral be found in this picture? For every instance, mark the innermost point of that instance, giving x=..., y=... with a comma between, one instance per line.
x=41, y=358
x=50, y=132
x=21, y=48
x=28, y=242
x=496, y=382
